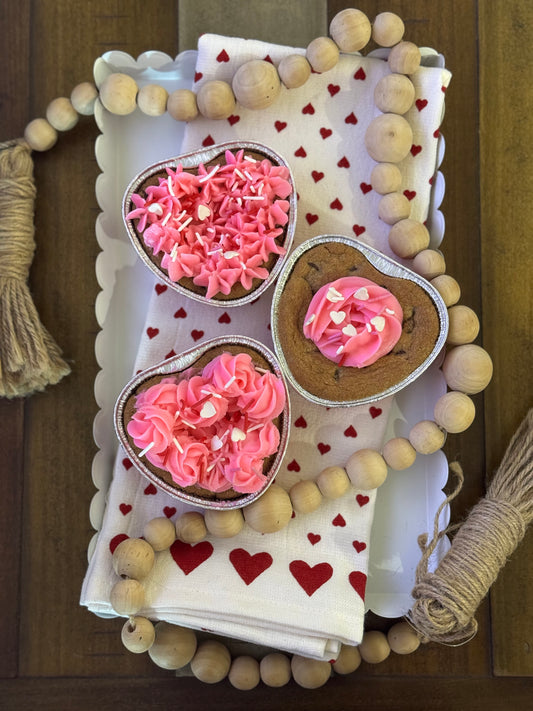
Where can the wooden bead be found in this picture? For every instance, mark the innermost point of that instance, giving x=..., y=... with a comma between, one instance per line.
x=388, y=29
x=404, y=58
x=294, y=70
x=427, y=437
x=83, y=98
x=429, y=263
x=275, y=669
x=333, y=482
x=133, y=558
x=467, y=368
x=448, y=288
x=454, y=411
x=182, y=106
x=305, y=496
x=174, y=646
x=463, y=325
x=256, y=84
x=127, y=597
x=394, y=93
x=61, y=114
x=152, y=100
x=138, y=635
x=399, y=453
x=394, y=207
x=388, y=138
x=402, y=638
x=190, y=527
x=160, y=533
x=39, y=135
x=215, y=99
x=366, y=469
x=244, y=673
x=118, y=94
x=386, y=178
x=224, y=524
x=310, y=673
x=374, y=647
x=348, y=660
x=322, y=54
x=271, y=512
x=350, y=29
x=408, y=237
x=211, y=663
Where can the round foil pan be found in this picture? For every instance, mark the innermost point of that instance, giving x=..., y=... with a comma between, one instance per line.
x=385, y=265
x=193, y=160
x=176, y=365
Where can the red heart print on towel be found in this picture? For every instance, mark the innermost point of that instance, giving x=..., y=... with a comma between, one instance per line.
x=169, y=511
x=336, y=204
x=314, y=538
x=308, y=109
x=188, y=557
x=113, y=543
x=300, y=152
x=325, y=132
x=351, y=118
x=362, y=500
x=374, y=411
x=280, y=125
x=310, y=578
x=180, y=313
x=225, y=318
x=360, y=74
x=359, y=546
x=208, y=141
x=323, y=448
x=339, y=521
x=125, y=509
x=317, y=175
x=170, y=354
x=358, y=230
x=293, y=466
x=198, y=76
x=344, y=162
x=365, y=188
x=248, y=566
x=409, y=194
x=222, y=56
x=415, y=150
x=436, y=133
x=301, y=422
x=150, y=490
x=127, y=463
x=196, y=335
x=350, y=431
x=160, y=288
x=333, y=89
x=358, y=583
x=233, y=119
x=152, y=332
x=421, y=104
x=311, y=219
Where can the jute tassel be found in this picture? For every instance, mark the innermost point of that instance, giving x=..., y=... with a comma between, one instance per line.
x=29, y=358
x=445, y=601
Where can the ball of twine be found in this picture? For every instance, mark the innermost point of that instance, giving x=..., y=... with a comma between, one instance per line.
x=446, y=600
x=29, y=357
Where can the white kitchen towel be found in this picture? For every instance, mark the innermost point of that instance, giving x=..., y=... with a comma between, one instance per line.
x=302, y=589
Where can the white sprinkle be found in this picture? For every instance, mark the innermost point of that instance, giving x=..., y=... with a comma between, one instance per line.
x=262, y=370
x=238, y=172
x=209, y=175
x=243, y=266
x=337, y=316
x=174, y=252
x=146, y=449
x=208, y=410
x=214, y=251
x=250, y=159
x=361, y=294
x=389, y=311
x=155, y=208
x=252, y=188
x=310, y=319
x=167, y=218
x=239, y=201
x=181, y=215
x=211, y=229
x=230, y=382
x=178, y=445
x=260, y=191
x=230, y=255
x=199, y=238
x=252, y=197
x=247, y=174
x=237, y=435
x=219, y=460
x=206, y=392
x=255, y=427
x=333, y=295
x=216, y=443
x=350, y=330
x=203, y=212
x=234, y=186
x=369, y=328
x=188, y=424
x=378, y=322
x=184, y=224
x=339, y=350
x=170, y=188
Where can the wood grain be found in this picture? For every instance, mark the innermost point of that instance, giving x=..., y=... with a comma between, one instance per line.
x=57, y=655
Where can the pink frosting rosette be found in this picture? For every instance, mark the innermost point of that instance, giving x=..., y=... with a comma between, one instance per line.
x=245, y=472
x=353, y=321
x=232, y=375
x=187, y=463
x=264, y=399
x=200, y=403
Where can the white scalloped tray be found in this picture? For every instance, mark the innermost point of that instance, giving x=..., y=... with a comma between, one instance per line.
x=407, y=502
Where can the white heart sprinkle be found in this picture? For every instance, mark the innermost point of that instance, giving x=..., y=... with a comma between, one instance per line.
x=155, y=208
x=333, y=295
x=378, y=322
x=362, y=294
x=216, y=443
x=337, y=316
x=237, y=435
x=203, y=212
x=350, y=330
x=208, y=410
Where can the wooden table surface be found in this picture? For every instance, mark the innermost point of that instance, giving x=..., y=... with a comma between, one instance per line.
x=53, y=653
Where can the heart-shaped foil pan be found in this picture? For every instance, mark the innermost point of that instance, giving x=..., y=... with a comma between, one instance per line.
x=199, y=355
x=190, y=162
x=324, y=259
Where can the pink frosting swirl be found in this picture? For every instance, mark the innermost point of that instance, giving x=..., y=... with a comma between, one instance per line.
x=353, y=321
